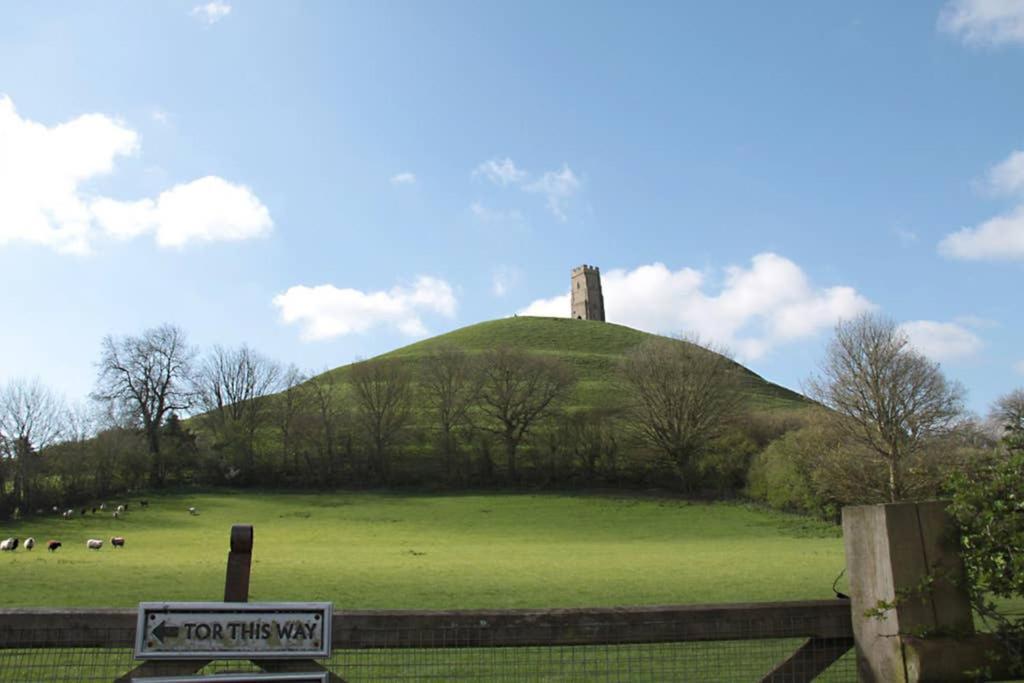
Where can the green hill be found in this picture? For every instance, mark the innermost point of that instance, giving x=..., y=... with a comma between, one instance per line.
x=593, y=349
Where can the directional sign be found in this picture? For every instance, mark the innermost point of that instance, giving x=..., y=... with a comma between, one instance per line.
x=320, y=677
x=233, y=630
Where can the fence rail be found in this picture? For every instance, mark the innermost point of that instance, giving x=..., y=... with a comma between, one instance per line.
x=779, y=641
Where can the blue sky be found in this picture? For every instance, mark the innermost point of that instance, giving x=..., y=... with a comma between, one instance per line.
x=327, y=181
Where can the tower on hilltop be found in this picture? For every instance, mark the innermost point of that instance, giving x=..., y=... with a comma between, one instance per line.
x=587, y=300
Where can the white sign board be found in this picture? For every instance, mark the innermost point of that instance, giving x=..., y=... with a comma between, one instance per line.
x=320, y=677
x=233, y=630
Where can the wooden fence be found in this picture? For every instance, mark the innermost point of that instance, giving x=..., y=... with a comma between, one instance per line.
x=806, y=638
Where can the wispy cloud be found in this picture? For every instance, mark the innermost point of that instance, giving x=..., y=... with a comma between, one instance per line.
x=211, y=12
x=988, y=23
x=326, y=311
x=42, y=201
x=758, y=308
x=501, y=172
x=404, y=178
x=488, y=215
x=1000, y=238
x=504, y=278
x=942, y=341
x=557, y=186
x=160, y=116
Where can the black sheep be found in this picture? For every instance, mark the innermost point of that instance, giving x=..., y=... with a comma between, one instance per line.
x=52, y=545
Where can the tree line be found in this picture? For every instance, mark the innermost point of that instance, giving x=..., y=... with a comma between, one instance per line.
x=886, y=425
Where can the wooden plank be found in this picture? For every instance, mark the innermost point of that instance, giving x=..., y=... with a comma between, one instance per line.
x=809, y=661
x=479, y=628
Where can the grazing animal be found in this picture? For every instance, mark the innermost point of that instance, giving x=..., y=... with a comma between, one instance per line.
x=30, y=543
x=66, y=514
x=117, y=515
x=144, y=503
x=52, y=545
x=193, y=511
x=94, y=544
x=84, y=510
x=117, y=541
x=103, y=506
x=9, y=544
x=120, y=508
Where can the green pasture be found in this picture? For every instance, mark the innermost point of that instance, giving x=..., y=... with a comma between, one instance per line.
x=373, y=550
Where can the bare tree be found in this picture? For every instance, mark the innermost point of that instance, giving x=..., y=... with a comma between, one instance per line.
x=147, y=377
x=517, y=390
x=31, y=418
x=888, y=397
x=327, y=429
x=1008, y=413
x=382, y=390
x=680, y=396
x=232, y=386
x=289, y=406
x=450, y=381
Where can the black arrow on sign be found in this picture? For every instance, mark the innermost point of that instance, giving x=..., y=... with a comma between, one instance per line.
x=162, y=630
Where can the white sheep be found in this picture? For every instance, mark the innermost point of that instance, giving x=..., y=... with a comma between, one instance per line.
x=30, y=543
x=94, y=544
x=193, y=511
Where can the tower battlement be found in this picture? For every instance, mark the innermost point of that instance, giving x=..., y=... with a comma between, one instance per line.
x=587, y=301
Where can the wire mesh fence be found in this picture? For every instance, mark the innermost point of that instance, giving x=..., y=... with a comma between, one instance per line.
x=777, y=642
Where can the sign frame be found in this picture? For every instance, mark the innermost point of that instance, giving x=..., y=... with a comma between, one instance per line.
x=325, y=609
x=317, y=676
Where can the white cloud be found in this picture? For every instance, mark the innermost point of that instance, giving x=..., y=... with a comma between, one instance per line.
x=1000, y=238
x=984, y=22
x=44, y=196
x=941, y=341
x=1007, y=177
x=755, y=310
x=209, y=209
x=404, y=178
x=211, y=12
x=501, y=172
x=41, y=170
x=326, y=311
x=558, y=187
x=997, y=239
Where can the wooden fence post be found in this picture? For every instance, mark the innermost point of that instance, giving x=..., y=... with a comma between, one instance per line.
x=236, y=580
x=903, y=562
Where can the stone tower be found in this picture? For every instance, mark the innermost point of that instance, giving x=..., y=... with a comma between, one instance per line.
x=587, y=300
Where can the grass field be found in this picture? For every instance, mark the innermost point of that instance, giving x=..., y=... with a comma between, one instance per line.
x=370, y=550
x=593, y=349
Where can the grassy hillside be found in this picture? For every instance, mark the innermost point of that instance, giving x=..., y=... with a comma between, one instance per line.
x=593, y=349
